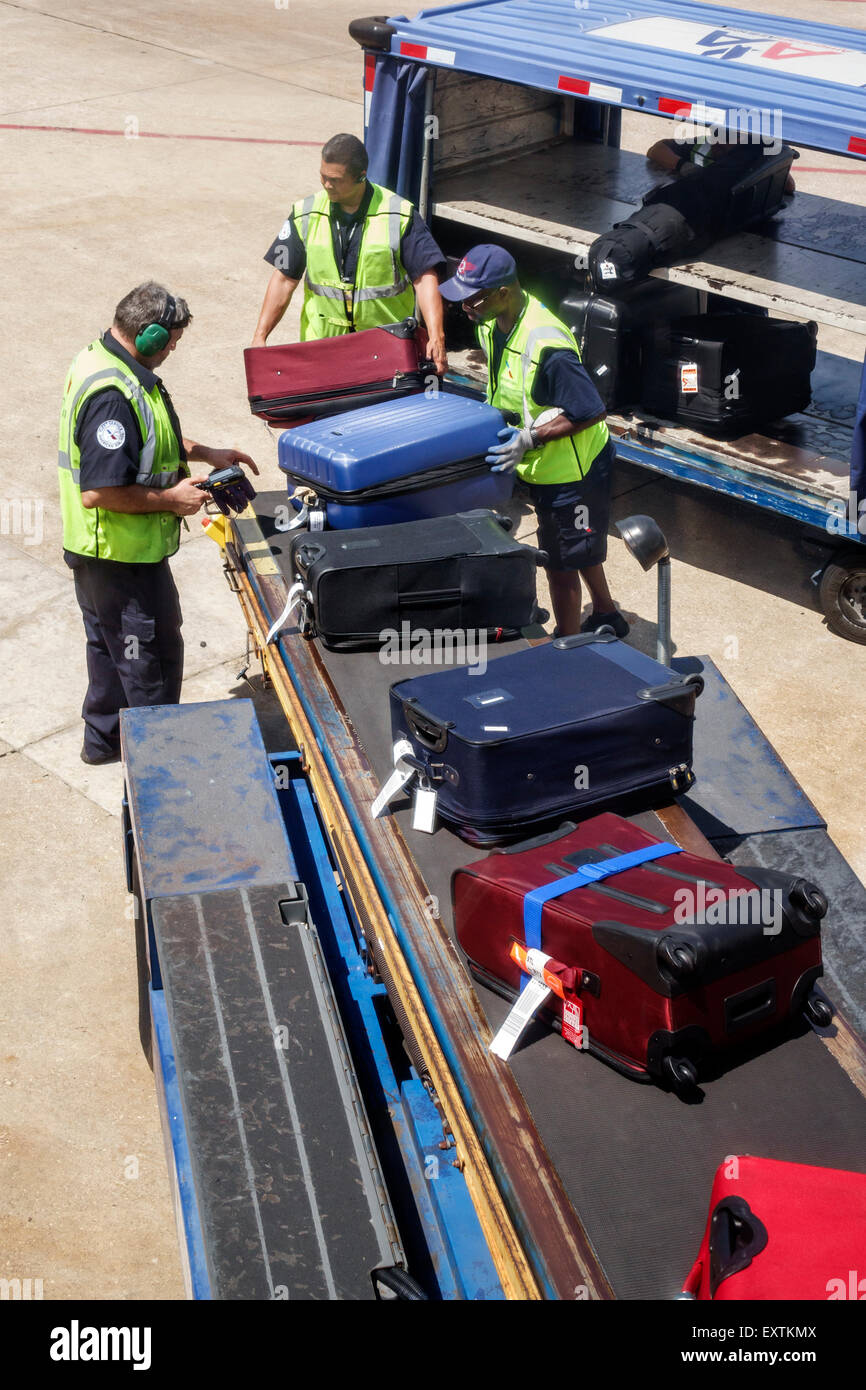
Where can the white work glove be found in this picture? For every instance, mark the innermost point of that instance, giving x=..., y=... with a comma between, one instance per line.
x=505, y=457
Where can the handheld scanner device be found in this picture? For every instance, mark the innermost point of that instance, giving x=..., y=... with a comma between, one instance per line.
x=229, y=488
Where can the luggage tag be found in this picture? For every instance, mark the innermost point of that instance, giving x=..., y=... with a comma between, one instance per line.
x=424, y=807
x=295, y=594
x=317, y=519
x=607, y=269
x=528, y=1002
x=572, y=1022
x=688, y=378
x=400, y=777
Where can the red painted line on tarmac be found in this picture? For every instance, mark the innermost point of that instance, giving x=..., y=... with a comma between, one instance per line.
x=159, y=135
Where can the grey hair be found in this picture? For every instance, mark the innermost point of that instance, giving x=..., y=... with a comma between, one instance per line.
x=348, y=151
x=144, y=305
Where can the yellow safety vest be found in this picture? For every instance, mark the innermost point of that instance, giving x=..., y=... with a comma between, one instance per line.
x=511, y=386
x=381, y=292
x=130, y=537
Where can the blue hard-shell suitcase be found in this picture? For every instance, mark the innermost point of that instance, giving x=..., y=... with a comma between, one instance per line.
x=402, y=460
x=568, y=727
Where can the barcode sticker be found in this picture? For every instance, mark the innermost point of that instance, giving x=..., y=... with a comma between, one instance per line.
x=572, y=1021
x=688, y=377
x=526, y=1006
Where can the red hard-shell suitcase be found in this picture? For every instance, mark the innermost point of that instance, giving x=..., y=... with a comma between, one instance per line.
x=292, y=383
x=782, y=1230
x=674, y=959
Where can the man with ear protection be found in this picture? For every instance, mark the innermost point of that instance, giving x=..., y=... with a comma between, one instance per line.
x=125, y=484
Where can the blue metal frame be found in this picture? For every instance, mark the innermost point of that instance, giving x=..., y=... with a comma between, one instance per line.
x=537, y=42
x=458, y=1253
x=691, y=467
x=177, y=1149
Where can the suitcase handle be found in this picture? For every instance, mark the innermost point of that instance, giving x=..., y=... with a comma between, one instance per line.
x=736, y=1237
x=583, y=639
x=672, y=692
x=308, y=553
x=428, y=730
x=538, y=840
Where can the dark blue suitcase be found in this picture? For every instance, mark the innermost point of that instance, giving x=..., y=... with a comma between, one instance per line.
x=402, y=460
x=565, y=728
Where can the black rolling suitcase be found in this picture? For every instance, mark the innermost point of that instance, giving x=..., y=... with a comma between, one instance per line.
x=610, y=332
x=451, y=572
x=558, y=729
x=728, y=373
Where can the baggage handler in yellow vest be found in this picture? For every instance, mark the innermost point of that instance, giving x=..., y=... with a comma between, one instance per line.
x=562, y=450
x=125, y=484
x=366, y=253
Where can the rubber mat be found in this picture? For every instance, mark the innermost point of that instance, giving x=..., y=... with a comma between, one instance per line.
x=288, y=1186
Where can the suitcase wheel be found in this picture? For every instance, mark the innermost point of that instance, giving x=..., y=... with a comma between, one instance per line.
x=680, y=1072
x=809, y=899
x=818, y=1011
x=680, y=957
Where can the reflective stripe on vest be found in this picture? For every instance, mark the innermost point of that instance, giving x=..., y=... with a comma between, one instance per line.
x=96, y=531
x=559, y=460
x=332, y=305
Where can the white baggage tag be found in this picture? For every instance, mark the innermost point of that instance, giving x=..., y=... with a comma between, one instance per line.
x=688, y=378
x=525, y=1007
x=317, y=520
x=399, y=778
x=608, y=270
x=294, y=598
x=424, y=808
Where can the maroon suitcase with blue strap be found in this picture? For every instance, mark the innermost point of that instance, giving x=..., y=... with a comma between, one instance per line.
x=667, y=958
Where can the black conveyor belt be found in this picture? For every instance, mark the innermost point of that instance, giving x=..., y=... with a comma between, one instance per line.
x=637, y=1162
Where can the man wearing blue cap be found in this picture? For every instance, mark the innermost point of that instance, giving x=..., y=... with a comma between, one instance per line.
x=563, y=451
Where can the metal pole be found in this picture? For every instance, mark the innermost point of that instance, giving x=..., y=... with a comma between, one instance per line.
x=663, y=640
x=424, y=196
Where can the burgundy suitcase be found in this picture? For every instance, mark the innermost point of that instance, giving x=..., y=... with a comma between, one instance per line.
x=782, y=1230
x=295, y=382
x=663, y=962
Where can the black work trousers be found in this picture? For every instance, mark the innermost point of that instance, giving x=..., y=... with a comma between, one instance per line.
x=132, y=620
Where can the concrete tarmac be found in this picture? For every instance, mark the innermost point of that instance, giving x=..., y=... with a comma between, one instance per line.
x=170, y=141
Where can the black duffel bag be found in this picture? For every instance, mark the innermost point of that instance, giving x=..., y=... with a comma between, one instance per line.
x=687, y=215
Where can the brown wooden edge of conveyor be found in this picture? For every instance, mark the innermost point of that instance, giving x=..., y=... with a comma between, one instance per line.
x=512, y=1141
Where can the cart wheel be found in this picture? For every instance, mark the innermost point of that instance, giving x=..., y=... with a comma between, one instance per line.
x=818, y=1011
x=680, y=1072
x=842, y=595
